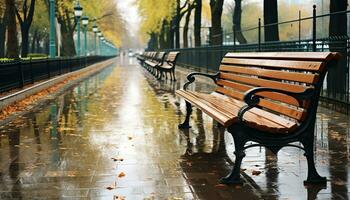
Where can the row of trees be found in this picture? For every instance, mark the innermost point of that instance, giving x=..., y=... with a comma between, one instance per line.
x=162, y=22
x=31, y=17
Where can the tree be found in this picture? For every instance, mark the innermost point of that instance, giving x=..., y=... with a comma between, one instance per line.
x=236, y=19
x=190, y=7
x=336, y=78
x=180, y=12
x=38, y=29
x=152, y=20
x=271, y=17
x=12, y=41
x=197, y=22
x=25, y=23
x=3, y=27
x=216, y=30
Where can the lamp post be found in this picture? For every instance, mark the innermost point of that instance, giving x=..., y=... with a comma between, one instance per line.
x=85, y=21
x=99, y=34
x=95, y=30
x=52, y=30
x=78, y=12
x=102, y=47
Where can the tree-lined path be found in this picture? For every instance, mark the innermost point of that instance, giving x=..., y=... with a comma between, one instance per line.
x=115, y=134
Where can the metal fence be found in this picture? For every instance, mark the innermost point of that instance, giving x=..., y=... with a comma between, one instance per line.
x=335, y=94
x=18, y=73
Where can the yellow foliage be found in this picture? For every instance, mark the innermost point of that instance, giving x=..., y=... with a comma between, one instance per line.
x=153, y=12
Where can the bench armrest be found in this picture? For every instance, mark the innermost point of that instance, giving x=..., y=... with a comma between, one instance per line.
x=191, y=78
x=253, y=100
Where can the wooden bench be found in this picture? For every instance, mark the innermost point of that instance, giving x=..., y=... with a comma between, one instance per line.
x=156, y=60
x=270, y=99
x=168, y=66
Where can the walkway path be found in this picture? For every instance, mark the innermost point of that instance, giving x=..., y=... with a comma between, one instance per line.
x=116, y=134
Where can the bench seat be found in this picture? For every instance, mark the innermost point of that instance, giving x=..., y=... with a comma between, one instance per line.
x=151, y=63
x=225, y=111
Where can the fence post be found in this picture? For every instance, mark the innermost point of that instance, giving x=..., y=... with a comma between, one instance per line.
x=234, y=37
x=31, y=70
x=299, y=27
x=314, y=28
x=48, y=68
x=259, y=35
x=21, y=76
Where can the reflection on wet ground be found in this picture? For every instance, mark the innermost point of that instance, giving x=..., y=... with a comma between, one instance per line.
x=65, y=149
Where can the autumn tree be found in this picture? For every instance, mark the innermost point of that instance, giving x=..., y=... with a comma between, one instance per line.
x=336, y=78
x=271, y=17
x=197, y=22
x=153, y=21
x=12, y=41
x=237, y=19
x=216, y=30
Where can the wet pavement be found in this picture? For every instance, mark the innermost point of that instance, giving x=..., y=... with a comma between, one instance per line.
x=116, y=134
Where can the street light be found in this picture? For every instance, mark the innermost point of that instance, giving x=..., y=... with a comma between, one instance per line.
x=78, y=12
x=52, y=30
x=85, y=21
x=95, y=30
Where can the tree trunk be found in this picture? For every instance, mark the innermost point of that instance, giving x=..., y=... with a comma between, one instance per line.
x=153, y=42
x=197, y=23
x=237, y=19
x=162, y=35
x=37, y=48
x=35, y=35
x=271, y=17
x=68, y=46
x=12, y=40
x=177, y=24
x=336, y=79
x=216, y=30
x=25, y=42
x=3, y=27
x=171, y=34
x=187, y=21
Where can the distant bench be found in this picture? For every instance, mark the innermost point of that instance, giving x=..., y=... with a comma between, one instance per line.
x=159, y=63
x=268, y=98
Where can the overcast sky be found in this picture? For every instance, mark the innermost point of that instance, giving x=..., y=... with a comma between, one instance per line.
x=129, y=11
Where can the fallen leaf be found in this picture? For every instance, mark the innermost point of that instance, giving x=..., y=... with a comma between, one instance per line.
x=121, y=174
x=119, y=198
x=130, y=138
x=117, y=159
x=111, y=187
x=220, y=186
x=256, y=172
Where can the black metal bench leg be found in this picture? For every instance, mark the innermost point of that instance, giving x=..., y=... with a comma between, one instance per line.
x=186, y=123
x=234, y=176
x=173, y=72
x=312, y=175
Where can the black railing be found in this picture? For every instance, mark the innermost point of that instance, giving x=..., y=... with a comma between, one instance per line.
x=18, y=73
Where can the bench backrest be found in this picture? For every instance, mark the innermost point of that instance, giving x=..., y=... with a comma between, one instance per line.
x=290, y=71
x=172, y=56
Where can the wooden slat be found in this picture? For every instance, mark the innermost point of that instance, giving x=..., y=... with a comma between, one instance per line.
x=279, y=108
x=263, y=83
x=278, y=64
x=271, y=95
x=310, y=56
x=221, y=109
x=275, y=74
